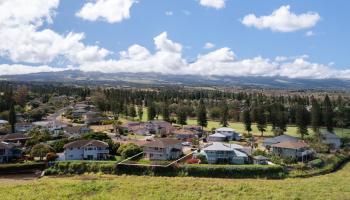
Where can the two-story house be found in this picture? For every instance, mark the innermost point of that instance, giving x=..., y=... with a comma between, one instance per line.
x=163, y=149
x=219, y=152
x=297, y=150
x=230, y=133
x=9, y=151
x=86, y=150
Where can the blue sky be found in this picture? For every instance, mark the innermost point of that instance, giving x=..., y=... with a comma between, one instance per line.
x=319, y=46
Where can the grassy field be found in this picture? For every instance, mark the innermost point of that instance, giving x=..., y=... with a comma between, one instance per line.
x=331, y=186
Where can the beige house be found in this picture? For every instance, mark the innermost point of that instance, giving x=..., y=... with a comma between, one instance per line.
x=163, y=149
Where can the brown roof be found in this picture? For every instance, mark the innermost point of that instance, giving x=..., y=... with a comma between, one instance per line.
x=82, y=143
x=291, y=145
x=137, y=142
x=14, y=136
x=183, y=131
x=163, y=142
x=6, y=145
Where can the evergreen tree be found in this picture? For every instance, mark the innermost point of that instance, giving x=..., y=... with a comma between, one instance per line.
x=316, y=116
x=302, y=120
x=151, y=111
x=12, y=118
x=140, y=112
x=328, y=114
x=132, y=112
x=224, y=114
x=246, y=120
x=182, y=115
x=166, y=112
x=261, y=119
x=202, y=114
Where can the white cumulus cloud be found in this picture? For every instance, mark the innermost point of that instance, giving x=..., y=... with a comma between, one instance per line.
x=282, y=20
x=112, y=11
x=217, y=4
x=23, y=38
x=208, y=45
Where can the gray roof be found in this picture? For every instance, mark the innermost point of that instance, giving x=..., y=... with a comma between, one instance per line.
x=219, y=146
x=218, y=135
x=329, y=135
x=281, y=138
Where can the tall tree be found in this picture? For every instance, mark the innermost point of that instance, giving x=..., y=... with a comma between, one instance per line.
x=316, y=116
x=302, y=120
x=202, y=114
x=21, y=95
x=165, y=111
x=12, y=118
x=247, y=120
x=151, y=111
x=224, y=114
x=328, y=114
x=140, y=112
x=182, y=115
x=132, y=112
x=261, y=119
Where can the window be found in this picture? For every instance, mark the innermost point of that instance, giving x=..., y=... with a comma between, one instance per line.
x=2, y=151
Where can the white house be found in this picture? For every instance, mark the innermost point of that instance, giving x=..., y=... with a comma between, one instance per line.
x=331, y=139
x=298, y=150
x=86, y=150
x=217, y=137
x=163, y=149
x=219, y=152
x=230, y=133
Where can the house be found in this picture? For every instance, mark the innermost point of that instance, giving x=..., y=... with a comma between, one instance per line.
x=150, y=127
x=217, y=137
x=297, y=150
x=219, y=152
x=76, y=130
x=86, y=150
x=23, y=127
x=275, y=140
x=230, y=133
x=78, y=113
x=18, y=138
x=331, y=139
x=260, y=160
x=9, y=151
x=195, y=128
x=163, y=149
x=3, y=122
x=184, y=134
x=160, y=127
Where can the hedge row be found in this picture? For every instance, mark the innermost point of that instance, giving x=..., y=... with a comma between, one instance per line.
x=330, y=166
x=19, y=167
x=218, y=171
x=235, y=171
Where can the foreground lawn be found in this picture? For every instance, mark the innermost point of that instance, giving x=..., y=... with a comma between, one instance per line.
x=331, y=186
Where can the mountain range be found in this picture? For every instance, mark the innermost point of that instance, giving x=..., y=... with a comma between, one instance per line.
x=157, y=79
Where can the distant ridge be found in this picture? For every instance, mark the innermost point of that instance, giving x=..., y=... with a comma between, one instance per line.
x=137, y=79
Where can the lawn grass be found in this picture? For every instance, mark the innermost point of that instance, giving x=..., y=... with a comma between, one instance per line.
x=331, y=186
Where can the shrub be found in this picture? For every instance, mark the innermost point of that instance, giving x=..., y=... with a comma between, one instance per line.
x=21, y=166
x=51, y=156
x=202, y=158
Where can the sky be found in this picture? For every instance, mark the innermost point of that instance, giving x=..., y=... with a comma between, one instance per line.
x=295, y=39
